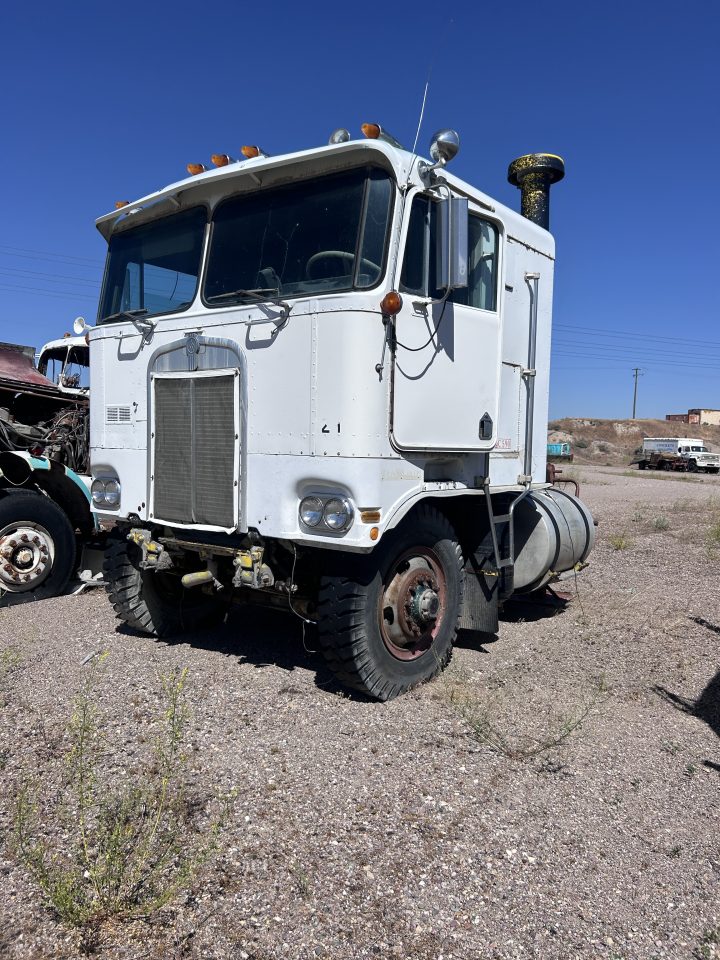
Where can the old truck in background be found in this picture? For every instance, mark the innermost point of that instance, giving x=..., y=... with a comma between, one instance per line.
x=677, y=453
x=559, y=452
x=45, y=513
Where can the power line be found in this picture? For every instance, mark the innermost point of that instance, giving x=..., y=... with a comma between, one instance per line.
x=633, y=353
x=48, y=276
x=624, y=334
x=44, y=254
x=38, y=291
x=651, y=362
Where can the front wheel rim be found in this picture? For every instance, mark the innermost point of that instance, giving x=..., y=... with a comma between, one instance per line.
x=27, y=554
x=413, y=603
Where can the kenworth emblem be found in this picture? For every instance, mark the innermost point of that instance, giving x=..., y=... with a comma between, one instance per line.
x=192, y=349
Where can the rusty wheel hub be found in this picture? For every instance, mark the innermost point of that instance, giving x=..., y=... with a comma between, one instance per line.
x=27, y=553
x=412, y=604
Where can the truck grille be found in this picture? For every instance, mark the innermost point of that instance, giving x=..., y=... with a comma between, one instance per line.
x=193, y=471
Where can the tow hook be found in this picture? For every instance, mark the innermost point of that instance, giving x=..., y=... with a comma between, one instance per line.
x=154, y=555
x=250, y=571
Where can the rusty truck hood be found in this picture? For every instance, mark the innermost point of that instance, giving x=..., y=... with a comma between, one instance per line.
x=17, y=370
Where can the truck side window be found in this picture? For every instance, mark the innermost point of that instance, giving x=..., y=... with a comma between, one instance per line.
x=418, y=270
x=481, y=290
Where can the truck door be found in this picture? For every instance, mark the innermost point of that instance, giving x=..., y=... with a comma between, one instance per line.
x=446, y=368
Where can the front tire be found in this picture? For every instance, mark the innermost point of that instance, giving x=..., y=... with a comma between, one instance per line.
x=38, y=550
x=388, y=622
x=150, y=602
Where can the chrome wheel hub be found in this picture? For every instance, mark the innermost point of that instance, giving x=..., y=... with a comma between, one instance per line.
x=27, y=552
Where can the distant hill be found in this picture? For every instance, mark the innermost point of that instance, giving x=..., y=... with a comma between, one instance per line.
x=615, y=441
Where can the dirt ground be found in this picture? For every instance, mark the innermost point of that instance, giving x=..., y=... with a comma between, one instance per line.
x=555, y=794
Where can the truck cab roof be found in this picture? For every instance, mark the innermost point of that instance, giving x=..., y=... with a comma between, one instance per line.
x=260, y=171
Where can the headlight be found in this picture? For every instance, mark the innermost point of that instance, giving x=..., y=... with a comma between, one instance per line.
x=105, y=492
x=311, y=511
x=112, y=493
x=97, y=492
x=338, y=514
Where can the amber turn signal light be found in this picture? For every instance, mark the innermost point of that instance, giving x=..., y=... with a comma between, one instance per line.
x=391, y=303
x=371, y=130
x=119, y=204
x=194, y=168
x=220, y=159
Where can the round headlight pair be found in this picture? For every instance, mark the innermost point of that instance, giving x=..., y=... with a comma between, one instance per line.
x=336, y=513
x=105, y=493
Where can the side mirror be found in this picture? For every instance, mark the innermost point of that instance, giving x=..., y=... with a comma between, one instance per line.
x=452, y=243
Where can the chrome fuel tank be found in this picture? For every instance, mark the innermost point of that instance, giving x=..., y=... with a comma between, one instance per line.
x=554, y=531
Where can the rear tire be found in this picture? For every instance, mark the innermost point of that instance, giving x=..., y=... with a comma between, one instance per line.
x=692, y=467
x=47, y=557
x=153, y=603
x=388, y=622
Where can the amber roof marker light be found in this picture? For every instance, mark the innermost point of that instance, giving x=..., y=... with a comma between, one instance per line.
x=220, y=159
x=373, y=131
x=250, y=151
x=195, y=168
x=119, y=204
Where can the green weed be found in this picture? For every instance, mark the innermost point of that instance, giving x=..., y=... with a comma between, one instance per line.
x=115, y=849
x=618, y=541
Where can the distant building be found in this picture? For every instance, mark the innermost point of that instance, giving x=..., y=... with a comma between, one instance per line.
x=696, y=415
x=704, y=416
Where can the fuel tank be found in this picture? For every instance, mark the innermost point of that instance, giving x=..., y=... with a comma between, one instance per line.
x=554, y=531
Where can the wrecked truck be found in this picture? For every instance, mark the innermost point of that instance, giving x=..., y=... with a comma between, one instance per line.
x=44, y=498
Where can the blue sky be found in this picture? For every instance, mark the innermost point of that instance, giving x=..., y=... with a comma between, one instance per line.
x=103, y=102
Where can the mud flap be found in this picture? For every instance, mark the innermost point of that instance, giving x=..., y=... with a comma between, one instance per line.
x=482, y=589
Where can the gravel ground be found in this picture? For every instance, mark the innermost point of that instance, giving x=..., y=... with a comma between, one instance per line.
x=553, y=795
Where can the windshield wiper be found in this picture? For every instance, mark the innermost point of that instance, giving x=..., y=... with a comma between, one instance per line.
x=125, y=315
x=255, y=294
x=259, y=295
x=143, y=327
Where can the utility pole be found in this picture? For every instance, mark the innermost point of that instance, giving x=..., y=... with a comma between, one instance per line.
x=637, y=372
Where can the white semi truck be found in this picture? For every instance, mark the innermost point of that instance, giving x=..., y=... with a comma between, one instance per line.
x=320, y=381
x=677, y=453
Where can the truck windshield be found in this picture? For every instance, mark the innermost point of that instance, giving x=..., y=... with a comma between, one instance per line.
x=66, y=366
x=315, y=236
x=699, y=449
x=154, y=268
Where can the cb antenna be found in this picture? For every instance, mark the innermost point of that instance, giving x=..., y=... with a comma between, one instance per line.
x=427, y=86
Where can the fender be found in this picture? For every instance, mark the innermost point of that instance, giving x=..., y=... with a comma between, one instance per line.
x=20, y=469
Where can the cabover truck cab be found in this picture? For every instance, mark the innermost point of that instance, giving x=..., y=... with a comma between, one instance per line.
x=677, y=453
x=320, y=381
